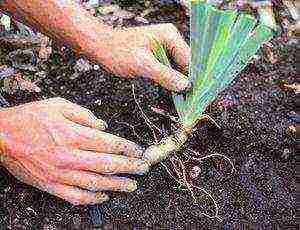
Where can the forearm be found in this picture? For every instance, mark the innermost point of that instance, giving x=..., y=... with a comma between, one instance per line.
x=65, y=20
x=2, y=129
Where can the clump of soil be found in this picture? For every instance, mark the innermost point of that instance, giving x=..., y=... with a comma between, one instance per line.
x=253, y=114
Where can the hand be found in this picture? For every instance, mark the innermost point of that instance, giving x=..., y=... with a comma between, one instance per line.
x=60, y=148
x=125, y=52
x=131, y=55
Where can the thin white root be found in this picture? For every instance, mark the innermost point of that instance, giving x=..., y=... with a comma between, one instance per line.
x=159, y=151
x=187, y=184
x=166, y=114
x=168, y=171
x=184, y=182
x=132, y=128
x=215, y=204
x=148, y=122
x=206, y=116
x=213, y=155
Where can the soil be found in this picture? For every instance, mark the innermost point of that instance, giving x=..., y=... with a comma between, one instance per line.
x=253, y=113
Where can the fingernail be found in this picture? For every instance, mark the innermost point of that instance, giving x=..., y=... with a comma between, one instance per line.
x=183, y=84
x=140, y=151
x=101, y=124
x=142, y=167
x=101, y=196
x=132, y=186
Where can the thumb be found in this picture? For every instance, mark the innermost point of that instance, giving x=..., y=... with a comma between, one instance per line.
x=84, y=117
x=165, y=76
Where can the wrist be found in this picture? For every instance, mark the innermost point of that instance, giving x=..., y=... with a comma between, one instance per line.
x=68, y=22
x=97, y=42
x=3, y=122
x=1, y=136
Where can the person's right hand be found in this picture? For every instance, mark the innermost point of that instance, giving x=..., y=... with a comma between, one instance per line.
x=61, y=148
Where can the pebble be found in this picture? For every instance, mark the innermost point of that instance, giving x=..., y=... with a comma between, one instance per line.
x=82, y=65
x=6, y=72
x=98, y=102
x=108, y=9
x=5, y=20
x=96, y=67
x=286, y=153
x=141, y=19
x=195, y=172
x=41, y=74
x=93, y=3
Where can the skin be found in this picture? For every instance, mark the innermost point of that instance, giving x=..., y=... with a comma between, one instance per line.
x=62, y=148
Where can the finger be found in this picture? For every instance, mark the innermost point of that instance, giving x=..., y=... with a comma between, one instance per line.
x=84, y=117
x=96, y=182
x=74, y=195
x=107, y=143
x=179, y=50
x=23, y=172
x=164, y=75
x=107, y=163
x=91, y=161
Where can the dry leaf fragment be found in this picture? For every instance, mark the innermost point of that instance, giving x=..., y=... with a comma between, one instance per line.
x=18, y=82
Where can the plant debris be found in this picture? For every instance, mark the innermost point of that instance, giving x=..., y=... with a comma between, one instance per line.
x=254, y=114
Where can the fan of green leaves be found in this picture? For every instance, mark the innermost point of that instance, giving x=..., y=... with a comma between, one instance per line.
x=222, y=44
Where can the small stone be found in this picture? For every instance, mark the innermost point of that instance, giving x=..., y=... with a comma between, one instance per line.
x=96, y=67
x=41, y=74
x=286, y=153
x=123, y=14
x=141, y=19
x=108, y=9
x=19, y=83
x=195, y=172
x=5, y=20
x=98, y=102
x=82, y=65
x=292, y=129
x=92, y=4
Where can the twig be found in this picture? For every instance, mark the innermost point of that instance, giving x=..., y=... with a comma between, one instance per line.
x=20, y=39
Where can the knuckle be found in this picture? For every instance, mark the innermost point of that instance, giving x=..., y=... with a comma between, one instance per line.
x=171, y=27
x=88, y=111
x=76, y=201
x=57, y=100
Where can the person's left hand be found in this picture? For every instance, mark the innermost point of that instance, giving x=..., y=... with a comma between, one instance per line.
x=62, y=148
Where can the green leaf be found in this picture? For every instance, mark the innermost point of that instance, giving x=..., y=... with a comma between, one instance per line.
x=159, y=52
x=229, y=41
x=222, y=44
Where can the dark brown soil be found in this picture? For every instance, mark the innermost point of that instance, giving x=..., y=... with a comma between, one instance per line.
x=254, y=113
